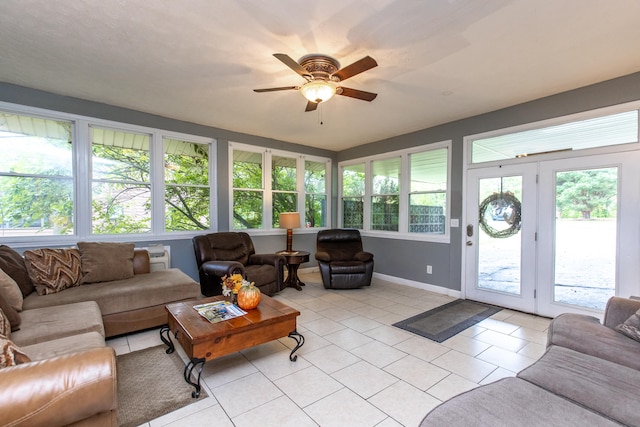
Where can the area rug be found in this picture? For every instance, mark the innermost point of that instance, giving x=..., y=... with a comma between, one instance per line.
x=445, y=321
x=151, y=384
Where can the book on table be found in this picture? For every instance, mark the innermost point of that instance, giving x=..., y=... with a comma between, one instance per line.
x=218, y=311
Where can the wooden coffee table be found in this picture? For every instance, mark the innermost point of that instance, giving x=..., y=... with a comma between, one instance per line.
x=203, y=340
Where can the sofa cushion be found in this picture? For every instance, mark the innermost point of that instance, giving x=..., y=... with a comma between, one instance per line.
x=10, y=291
x=511, y=402
x=61, y=346
x=587, y=335
x=12, y=315
x=50, y=323
x=11, y=354
x=12, y=263
x=137, y=292
x=631, y=326
x=606, y=387
x=103, y=262
x=53, y=270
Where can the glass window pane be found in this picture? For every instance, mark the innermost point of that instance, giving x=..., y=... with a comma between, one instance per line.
x=352, y=212
x=353, y=180
x=35, y=206
x=315, y=210
x=187, y=208
x=386, y=176
x=42, y=202
x=385, y=213
x=121, y=156
x=247, y=169
x=314, y=177
x=283, y=202
x=585, y=237
x=187, y=205
x=247, y=209
x=427, y=213
x=621, y=128
x=121, y=188
x=120, y=208
x=283, y=174
x=429, y=171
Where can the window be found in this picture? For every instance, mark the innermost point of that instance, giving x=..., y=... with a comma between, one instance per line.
x=428, y=191
x=385, y=199
x=247, y=189
x=315, y=210
x=612, y=129
x=67, y=175
x=36, y=176
x=120, y=182
x=283, y=185
x=403, y=192
x=187, y=190
x=353, y=196
x=292, y=183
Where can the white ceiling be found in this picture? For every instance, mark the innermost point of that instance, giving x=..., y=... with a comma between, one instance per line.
x=198, y=60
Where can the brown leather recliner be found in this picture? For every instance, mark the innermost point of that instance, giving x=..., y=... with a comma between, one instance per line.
x=342, y=261
x=225, y=253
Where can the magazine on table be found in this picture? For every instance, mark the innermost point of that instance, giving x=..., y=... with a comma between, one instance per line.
x=218, y=311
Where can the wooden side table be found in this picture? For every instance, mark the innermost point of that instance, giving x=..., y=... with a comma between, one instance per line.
x=294, y=259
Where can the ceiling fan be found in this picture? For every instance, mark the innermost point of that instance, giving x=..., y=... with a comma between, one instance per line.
x=323, y=75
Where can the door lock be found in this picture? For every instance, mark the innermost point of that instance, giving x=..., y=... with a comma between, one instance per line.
x=470, y=230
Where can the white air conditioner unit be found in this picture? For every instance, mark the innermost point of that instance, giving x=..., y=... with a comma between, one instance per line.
x=159, y=257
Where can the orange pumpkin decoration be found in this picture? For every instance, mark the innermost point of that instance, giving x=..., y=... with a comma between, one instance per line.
x=248, y=297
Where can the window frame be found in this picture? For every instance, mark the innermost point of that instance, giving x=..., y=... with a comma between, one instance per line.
x=405, y=172
x=82, y=178
x=267, y=200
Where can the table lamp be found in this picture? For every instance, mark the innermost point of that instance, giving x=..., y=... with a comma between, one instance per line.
x=289, y=220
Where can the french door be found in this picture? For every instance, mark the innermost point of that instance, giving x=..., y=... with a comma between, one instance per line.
x=554, y=236
x=500, y=236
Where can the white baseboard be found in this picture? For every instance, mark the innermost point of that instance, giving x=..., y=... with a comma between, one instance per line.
x=424, y=286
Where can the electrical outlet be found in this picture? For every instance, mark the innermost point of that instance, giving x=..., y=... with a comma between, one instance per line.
x=429, y=269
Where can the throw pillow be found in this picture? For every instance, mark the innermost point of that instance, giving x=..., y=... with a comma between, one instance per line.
x=53, y=270
x=12, y=263
x=10, y=354
x=631, y=326
x=10, y=291
x=5, y=326
x=12, y=315
x=103, y=262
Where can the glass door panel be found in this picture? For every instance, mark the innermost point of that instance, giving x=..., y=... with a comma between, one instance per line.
x=500, y=236
x=585, y=237
x=499, y=243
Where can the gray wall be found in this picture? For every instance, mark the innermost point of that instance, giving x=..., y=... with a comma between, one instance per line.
x=393, y=257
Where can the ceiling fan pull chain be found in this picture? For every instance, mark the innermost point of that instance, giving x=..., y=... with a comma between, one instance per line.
x=320, y=114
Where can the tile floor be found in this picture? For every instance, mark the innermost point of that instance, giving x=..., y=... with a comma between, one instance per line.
x=354, y=369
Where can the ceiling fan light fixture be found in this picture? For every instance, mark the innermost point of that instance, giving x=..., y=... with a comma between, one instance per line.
x=318, y=90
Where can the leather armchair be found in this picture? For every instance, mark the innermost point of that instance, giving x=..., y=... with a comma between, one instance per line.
x=342, y=261
x=77, y=388
x=225, y=253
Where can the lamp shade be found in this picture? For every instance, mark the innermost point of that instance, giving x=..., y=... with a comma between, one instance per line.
x=318, y=90
x=289, y=220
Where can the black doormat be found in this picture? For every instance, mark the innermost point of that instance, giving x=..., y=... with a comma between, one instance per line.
x=445, y=321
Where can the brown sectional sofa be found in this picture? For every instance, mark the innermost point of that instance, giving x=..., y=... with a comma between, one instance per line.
x=71, y=379
x=589, y=376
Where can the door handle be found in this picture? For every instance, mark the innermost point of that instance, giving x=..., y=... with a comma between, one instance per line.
x=469, y=243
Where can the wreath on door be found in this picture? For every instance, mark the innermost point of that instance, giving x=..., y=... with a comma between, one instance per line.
x=501, y=207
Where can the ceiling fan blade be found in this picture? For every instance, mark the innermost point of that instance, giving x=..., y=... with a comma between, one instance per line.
x=273, y=89
x=358, y=94
x=357, y=67
x=289, y=62
x=311, y=106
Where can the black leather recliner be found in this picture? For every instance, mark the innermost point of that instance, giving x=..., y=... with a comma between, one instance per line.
x=225, y=253
x=342, y=261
